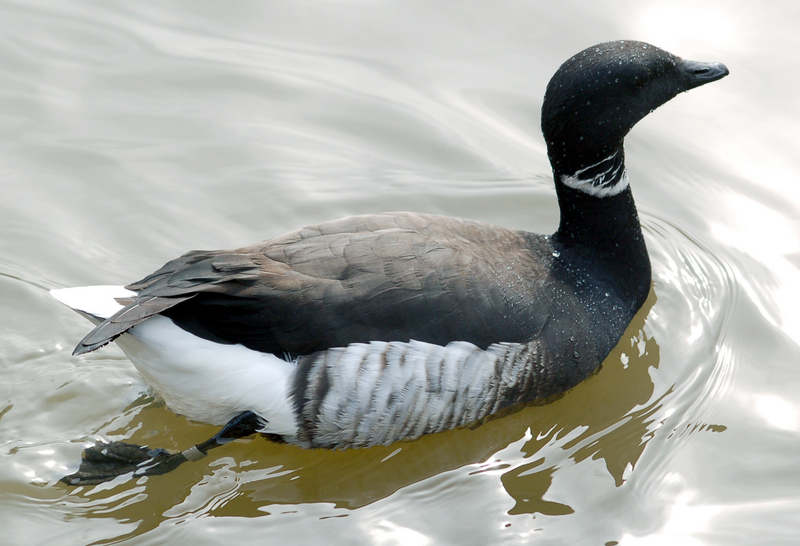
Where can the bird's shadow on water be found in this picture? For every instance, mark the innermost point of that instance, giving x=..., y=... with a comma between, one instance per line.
x=607, y=417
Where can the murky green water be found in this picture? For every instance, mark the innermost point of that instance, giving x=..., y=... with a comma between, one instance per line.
x=132, y=132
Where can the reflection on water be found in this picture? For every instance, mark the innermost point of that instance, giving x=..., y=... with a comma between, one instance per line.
x=131, y=133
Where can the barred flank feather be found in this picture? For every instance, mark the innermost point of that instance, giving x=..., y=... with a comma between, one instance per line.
x=381, y=392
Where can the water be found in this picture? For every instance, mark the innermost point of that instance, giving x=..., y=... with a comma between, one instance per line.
x=130, y=133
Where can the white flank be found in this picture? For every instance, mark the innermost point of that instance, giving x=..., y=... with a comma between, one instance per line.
x=200, y=379
x=209, y=381
x=599, y=185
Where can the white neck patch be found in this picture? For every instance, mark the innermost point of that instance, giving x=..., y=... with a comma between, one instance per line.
x=603, y=184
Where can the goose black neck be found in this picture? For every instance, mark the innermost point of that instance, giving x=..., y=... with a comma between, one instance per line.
x=604, y=233
x=601, y=223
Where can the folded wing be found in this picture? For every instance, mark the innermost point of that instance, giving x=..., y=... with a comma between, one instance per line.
x=386, y=277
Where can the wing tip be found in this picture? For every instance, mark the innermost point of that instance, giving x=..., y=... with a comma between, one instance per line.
x=97, y=304
x=83, y=348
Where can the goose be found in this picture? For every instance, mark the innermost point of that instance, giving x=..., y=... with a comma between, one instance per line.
x=373, y=329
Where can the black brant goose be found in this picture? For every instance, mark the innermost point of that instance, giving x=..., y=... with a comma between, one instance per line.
x=385, y=327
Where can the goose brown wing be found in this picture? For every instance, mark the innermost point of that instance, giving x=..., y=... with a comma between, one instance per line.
x=388, y=277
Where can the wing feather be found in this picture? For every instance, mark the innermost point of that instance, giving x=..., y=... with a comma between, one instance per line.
x=387, y=277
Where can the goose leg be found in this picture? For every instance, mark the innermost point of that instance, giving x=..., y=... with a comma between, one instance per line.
x=104, y=462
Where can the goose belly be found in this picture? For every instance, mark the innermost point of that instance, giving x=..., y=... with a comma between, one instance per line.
x=355, y=396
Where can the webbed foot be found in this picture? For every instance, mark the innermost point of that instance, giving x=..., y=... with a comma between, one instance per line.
x=103, y=462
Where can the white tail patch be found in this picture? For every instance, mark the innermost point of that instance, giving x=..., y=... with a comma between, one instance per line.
x=93, y=302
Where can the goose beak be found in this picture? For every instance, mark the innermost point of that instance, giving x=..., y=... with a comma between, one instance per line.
x=696, y=73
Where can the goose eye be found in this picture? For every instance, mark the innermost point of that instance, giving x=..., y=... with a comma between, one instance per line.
x=642, y=79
